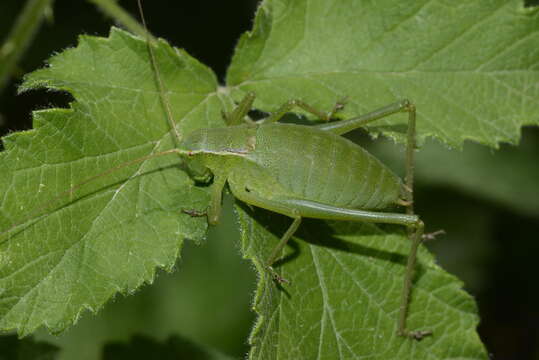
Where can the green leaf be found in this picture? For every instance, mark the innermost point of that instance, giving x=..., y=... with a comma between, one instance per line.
x=373, y=54
x=210, y=285
x=69, y=252
x=343, y=301
x=471, y=67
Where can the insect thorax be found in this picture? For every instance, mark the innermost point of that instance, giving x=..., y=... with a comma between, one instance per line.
x=233, y=140
x=216, y=149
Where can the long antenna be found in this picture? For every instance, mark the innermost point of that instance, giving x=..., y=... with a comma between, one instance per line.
x=42, y=210
x=160, y=85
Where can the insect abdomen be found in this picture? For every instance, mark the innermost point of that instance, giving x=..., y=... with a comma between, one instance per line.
x=320, y=166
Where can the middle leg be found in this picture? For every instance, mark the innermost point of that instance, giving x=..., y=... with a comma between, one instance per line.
x=291, y=104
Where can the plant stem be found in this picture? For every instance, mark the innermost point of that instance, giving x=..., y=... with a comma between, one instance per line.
x=21, y=36
x=113, y=10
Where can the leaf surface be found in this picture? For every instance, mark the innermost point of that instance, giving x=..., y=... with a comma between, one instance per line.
x=66, y=252
x=468, y=79
x=344, y=297
x=471, y=67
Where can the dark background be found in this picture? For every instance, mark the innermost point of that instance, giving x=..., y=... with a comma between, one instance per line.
x=492, y=241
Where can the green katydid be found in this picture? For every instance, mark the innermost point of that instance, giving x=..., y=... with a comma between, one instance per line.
x=265, y=164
